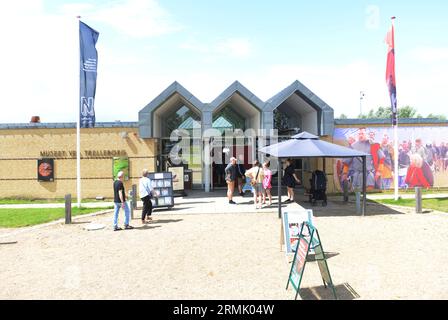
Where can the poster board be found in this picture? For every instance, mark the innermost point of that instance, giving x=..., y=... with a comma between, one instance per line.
x=45, y=169
x=291, y=224
x=120, y=164
x=307, y=236
x=178, y=178
x=300, y=257
x=162, y=189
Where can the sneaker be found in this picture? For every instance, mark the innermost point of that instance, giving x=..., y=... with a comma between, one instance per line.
x=117, y=228
x=287, y=201
x=232, y=202
x=128, y=227
x=242, y=194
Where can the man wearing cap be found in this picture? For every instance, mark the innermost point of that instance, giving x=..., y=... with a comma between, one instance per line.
x=231, y=176
x=120, y=202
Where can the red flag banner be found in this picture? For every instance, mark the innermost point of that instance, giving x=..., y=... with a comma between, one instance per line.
x=390, y=73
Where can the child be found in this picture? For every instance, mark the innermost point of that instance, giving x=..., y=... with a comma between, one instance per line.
x=267, y=182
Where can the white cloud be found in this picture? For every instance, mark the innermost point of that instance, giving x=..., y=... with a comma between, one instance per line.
x=134, y=18
x=429, y=54
x=239, y=48
x=235, y=47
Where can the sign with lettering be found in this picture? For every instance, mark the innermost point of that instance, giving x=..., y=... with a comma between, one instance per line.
x=304, y=245
x=85, y=153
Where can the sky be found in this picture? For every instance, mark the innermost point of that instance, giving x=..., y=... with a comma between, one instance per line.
x=335, y=48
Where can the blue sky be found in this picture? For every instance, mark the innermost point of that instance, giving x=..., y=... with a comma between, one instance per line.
x=335, y=48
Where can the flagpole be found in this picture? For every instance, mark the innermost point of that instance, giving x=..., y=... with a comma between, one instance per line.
x=78, y=130
x=395, y=142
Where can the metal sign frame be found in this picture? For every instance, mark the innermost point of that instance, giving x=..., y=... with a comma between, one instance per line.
x=304, y=246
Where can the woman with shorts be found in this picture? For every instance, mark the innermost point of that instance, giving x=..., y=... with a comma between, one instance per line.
x=256, y=175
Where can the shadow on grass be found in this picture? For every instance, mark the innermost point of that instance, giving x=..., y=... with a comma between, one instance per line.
x=343, y=292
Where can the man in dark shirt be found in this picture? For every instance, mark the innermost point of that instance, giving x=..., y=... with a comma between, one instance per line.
x=241, y=176
x=231, y=176
x=120, y=202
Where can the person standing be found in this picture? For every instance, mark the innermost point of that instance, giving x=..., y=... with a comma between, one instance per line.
x=120, y=202
x=267, y=182
x=290, y=179
x=145, y=195
x=231, y=176
x=256, y=175
x=241, y=177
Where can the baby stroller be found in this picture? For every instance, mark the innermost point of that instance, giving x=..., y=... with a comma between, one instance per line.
x=318, y=189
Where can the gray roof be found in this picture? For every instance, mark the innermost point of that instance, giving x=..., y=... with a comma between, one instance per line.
x=174, y=88
x=296, y=87
x=237, y=87
x=66, y=125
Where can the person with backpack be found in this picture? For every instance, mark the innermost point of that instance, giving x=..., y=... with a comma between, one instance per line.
x=256, y=175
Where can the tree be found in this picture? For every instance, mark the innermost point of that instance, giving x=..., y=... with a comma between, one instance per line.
x=407, y=112
x=437, y=116
x=386, y=113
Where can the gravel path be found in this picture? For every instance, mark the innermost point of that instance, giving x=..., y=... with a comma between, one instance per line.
x=388, y=254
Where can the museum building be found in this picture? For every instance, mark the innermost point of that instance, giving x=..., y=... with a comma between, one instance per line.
x=148, y=143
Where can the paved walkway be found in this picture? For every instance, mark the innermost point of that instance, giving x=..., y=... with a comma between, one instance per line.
x=196, y=202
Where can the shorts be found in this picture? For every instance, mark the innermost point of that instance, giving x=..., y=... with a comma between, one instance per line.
x=257, y=188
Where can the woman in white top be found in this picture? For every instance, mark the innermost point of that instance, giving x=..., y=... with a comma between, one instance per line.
x=256, y=175
x=145, y=196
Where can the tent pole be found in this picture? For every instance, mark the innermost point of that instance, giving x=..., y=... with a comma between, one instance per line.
x=364, y=177
x=279, y=186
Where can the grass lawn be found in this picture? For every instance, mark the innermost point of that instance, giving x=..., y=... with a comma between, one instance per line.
x=439, y=204
x=15, y=218
x=31, y=201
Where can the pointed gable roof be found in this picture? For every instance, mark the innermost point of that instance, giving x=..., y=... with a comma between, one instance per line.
x=236, y=88
x=300, y=89
x=174, y=88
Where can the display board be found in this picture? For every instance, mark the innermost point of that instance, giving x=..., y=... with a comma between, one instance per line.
x=45, y=169
x=162, y=189
x=120, y=164
x=178, y=178
x=304, y=243
x=291, y=224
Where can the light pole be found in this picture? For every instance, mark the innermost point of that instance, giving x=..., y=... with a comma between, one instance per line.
x=361, y=97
